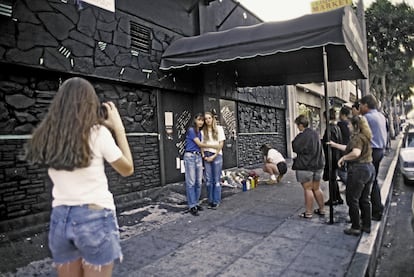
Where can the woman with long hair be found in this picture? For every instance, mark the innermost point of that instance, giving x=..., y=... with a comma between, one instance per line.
x=73, y=141
x=213, y=136
x=361, y=174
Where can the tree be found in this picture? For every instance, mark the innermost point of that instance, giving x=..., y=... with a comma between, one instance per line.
x=390, y=44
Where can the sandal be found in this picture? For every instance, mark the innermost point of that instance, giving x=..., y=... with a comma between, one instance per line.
x=319, y=212
x=305, y=215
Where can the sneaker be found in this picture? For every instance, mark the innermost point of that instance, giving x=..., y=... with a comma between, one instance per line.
x=213, y=206
x=199, y=208
x=194, y=211
x=353, y=232
x=366, y=230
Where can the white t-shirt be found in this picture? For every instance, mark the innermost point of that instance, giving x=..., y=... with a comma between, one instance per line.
x=275, y=156
x=87, y=185
x=210, y=141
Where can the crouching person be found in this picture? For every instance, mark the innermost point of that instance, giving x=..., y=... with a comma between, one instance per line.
x=274, y=163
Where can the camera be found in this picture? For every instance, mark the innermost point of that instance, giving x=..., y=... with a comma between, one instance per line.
x=103, y=112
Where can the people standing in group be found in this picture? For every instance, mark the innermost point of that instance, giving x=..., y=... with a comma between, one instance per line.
x=331, y=174
x=355, y=108
x=361, y=174
x=193, y=163
x=274, y=163
x=309, y=164
x=214, y=137
x=73, y=141
x=343, y=124
x=368, y=107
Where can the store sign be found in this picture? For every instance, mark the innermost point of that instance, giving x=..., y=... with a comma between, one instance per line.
x=327, y=5
x=104, y=4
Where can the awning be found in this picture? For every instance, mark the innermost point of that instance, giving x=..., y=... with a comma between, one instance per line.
x=277, y=53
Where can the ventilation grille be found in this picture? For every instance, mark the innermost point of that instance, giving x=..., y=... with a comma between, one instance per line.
x=140, y=38
x=6, y=8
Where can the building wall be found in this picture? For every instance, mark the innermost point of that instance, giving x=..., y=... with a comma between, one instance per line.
x=46, y=42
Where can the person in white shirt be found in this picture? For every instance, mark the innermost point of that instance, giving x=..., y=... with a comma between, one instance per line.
x=73, y=141
x=274, y=163
x=213, y=158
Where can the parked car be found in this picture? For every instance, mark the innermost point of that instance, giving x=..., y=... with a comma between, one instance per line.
x=406, y=158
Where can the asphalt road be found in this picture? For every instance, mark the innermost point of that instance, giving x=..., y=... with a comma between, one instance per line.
x=396, y=256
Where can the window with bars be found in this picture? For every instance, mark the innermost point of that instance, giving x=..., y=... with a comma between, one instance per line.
x=6, y=8
x=140, y=38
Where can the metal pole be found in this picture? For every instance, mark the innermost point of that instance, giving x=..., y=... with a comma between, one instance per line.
x=328, y=133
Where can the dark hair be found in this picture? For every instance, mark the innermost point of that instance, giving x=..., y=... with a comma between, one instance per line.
x=303, y=120
x=345, y=111
x=61, y=140
x=356, y=105
x=332, y=114
x=196, y=129
x=370, y=101
x=265, y=148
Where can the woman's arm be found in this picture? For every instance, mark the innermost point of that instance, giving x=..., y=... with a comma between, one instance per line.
x=354, y=154
x=341, y=147
x=124, y=165
x=204, y=145
x=211, y=158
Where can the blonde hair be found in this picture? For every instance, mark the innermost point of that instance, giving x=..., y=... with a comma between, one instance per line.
x=213, y=127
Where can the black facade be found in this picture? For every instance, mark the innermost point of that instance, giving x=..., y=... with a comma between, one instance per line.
x=45, y=42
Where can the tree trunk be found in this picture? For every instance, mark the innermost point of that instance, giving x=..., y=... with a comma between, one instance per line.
x=390, y=110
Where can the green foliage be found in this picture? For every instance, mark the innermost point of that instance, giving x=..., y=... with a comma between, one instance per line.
x=390, y=43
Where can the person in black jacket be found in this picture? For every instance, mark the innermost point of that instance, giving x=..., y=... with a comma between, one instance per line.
x=309, y=164
x=343, y=123
x=336, y=136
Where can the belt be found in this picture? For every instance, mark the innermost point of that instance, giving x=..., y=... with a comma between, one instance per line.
x=194, y=152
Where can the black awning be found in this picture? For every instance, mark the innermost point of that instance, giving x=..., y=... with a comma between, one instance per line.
x=276, y=53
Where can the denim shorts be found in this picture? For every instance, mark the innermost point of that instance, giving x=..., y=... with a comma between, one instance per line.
x=304, y=176
x=87, y=231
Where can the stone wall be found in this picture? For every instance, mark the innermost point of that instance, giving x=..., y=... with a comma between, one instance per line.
x=258, y=125
x=25, y=191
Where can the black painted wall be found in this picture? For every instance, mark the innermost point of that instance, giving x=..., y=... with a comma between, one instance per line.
x=48, y=41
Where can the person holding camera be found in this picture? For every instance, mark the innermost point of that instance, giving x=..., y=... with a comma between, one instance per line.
x=73, y=141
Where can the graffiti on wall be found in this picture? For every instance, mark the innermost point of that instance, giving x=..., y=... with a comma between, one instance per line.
x=181, y=126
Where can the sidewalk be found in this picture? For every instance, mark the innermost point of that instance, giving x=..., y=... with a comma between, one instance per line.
x=253, y=233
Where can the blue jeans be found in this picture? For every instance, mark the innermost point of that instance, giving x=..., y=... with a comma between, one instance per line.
x=193, y=177
x=358, y=193
x=213, y=173
x=84, y=232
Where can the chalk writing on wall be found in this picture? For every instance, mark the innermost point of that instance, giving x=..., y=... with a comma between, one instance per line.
x=229, y=119
x=181, y=126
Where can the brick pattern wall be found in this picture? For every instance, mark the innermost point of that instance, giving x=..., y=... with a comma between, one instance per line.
x=25, y=191
x=258, y=125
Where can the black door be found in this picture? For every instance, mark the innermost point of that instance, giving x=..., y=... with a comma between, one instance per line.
x=177, y=114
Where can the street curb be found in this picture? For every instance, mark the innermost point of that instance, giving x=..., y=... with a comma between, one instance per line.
x=365, y=258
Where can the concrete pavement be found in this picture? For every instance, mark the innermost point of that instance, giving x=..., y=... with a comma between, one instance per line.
x=253, y=233
x=258, y=233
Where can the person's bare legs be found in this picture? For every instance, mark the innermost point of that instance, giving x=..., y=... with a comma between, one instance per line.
x=318, y=195
x=72, y=269
x=308, y=197
x=94, y=271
